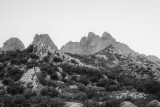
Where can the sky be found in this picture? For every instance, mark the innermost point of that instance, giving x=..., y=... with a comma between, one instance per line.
x=133, y=22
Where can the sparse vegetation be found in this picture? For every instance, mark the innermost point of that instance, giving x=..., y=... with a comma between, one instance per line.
x=94, y=84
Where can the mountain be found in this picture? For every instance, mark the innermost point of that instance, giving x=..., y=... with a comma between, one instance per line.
x=94, y=43
x=44, y=39
x=13, y=44
x=153, y=58
x=106, y=78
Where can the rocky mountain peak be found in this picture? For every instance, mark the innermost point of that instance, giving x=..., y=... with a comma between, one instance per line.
x=107, y=36
x=94, y=43
x=45, y=40
x=13, y=44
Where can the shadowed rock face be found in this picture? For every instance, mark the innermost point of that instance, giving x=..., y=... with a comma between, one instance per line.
x=44, y=39
x=13, y=44
x=94, y=43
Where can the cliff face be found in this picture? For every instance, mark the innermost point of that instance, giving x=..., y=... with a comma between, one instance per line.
x=44, y=39
x=94, y=43
x=13, y=44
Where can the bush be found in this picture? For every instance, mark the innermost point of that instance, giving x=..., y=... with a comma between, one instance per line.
x=7, y=81
x=80, y=96
x=19, y=100
x=52, y=92
x=15, y=88
x=47, y=68
x=34, y=56
x=29, y=49
x=57, y=59
x=29, y=93
x=14, y=73
x=93, y=104
x=54, y=76
x=31, y=64
x=113, y=103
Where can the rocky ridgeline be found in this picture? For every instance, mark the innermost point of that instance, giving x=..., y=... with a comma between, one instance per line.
x=108, y=78
x=13, y=44
x=94, y=43
x=87, y=46
x=44, y=39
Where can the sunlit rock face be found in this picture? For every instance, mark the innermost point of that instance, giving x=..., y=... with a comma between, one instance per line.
x=127, y=104
x=13, y=44
x=94, y=43
x=30, y=78
x=44, y=39
x=153, y=58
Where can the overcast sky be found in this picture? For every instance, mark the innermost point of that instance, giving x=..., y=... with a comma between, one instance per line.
x=133, y=22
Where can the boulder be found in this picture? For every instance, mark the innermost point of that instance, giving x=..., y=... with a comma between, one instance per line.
x=73, y=104
x=154, y=103
x=31, y=78
x=74, y=87
x=127, y=104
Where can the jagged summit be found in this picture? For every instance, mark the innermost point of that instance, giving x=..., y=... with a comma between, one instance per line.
x=13, y=44
x=107, y=36
x=94, y=43
x=45, y=40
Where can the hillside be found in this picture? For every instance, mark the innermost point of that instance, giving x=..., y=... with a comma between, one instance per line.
x=107, y=78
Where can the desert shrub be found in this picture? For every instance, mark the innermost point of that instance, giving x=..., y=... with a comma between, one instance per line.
x=46, y=59
x=52, y=92
x=74, y=61
x=19, y=100
x=57, y=59
x=47, y=68
x=92, y=93
x=57, y=102
x=102, y=83
x=80, y=96
x=7, y=81
x=14, y=73
x=41, y=77
x=44, y=101
x=29, y=93
x=92, y=104
x=1, y=66
x=34, y=56
x=81, y=87
x=113, y=103
x=15, y=88
x=84, y=79
x=31, y=64
x=114, y=87
x=3, y=92
x=29, y=49
x=7, y=101
x=54, y=76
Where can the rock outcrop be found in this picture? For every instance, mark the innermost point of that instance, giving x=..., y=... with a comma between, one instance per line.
x=127, y=104
x=154, y=103
x=73, y=104
x=31, y=78
x=13, y=44
x=153, y=58
x=94, y=43
x=44, y=39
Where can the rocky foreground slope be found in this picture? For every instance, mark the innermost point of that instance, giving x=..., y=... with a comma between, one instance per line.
x=104, y=79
